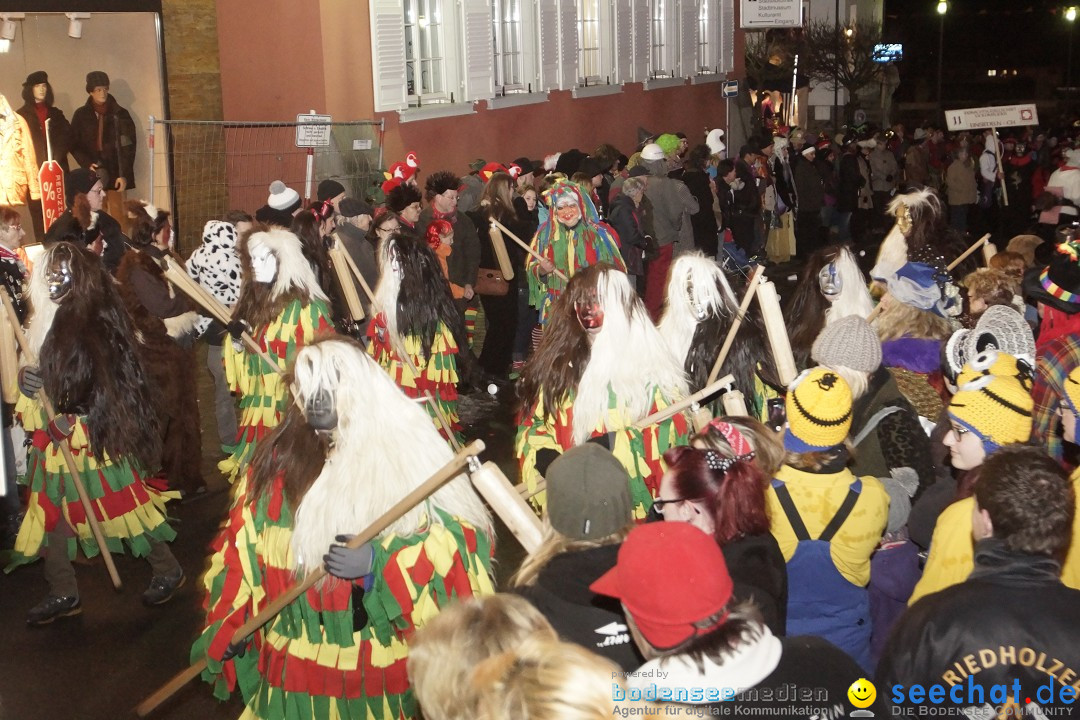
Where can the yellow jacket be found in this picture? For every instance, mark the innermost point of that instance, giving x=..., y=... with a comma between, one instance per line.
x=817, y=497
x=952, y=549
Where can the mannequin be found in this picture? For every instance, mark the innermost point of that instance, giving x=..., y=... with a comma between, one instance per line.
x=103, y=140
x=18, y=164
x=37, y=95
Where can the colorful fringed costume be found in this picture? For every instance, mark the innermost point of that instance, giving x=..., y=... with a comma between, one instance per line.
x=602, y=366
x=91, y=368
x=571, y=240
x=286, y=310
x=417, y=335
x=339, y=650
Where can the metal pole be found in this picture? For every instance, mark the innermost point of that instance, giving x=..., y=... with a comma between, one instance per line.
x=1068, y=76
x=150, y=145
x=836, y=73
x=940, y=56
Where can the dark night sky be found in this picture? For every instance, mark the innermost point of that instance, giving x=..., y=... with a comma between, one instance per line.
x=1029, y=35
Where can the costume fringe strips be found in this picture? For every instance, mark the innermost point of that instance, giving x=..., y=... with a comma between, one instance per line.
x=263, y=394
x=131, y=512
x=310, y=661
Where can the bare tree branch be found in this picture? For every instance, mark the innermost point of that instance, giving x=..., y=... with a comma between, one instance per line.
x=841, y=55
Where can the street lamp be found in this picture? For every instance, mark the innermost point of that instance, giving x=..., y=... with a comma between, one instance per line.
x=942, y=8
x=1070, y=15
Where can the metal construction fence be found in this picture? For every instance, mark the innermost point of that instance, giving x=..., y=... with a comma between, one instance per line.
x=201, y=169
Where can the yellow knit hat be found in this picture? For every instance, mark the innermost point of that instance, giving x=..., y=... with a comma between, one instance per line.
x=1072, y=390
x=991, y=362
x=997, y=408
x=818, y=411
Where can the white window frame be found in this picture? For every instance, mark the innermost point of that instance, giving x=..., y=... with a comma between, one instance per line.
x=664, y=36
x=504, y=27
x=591, y=50
x=418, y=16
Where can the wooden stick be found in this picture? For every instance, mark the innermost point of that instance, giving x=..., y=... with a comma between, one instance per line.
x=527, y=494
x=877, y=310
x=675, y=408
x=558, y=273
x=176, y=274
x=748, y=296
x=972, y=248
x=1000, y=169
x=499, y=246
x=345, y=280
x=355, y=270
x=511, y=508
x=9, y=361
x=776, y=329
x=446, y=473
x=65, y=449
x=735, y=403
x=989, y=250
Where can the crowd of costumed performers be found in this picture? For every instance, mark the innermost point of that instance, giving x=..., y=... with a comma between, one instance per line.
x=699, y=310
x=418, y=335
x=601, y=367
x=572, y=238
x=106, y=415
x=283, y=305
x=350, y=446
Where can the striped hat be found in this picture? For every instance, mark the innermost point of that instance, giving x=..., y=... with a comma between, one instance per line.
x=818, y=408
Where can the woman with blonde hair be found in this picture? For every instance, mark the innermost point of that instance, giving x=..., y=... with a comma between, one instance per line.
x=589, y=512
x=446, y=649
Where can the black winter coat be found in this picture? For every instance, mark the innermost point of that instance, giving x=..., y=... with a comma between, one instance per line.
x=117, y=154
x=59, y=131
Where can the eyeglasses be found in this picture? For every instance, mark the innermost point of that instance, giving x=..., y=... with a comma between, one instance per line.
x=658, y=504
x=960, y=431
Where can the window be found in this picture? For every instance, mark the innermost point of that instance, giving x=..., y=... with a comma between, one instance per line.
x=425, y=66
x=506, y=23
x=705, y=50
x=590, y=68
x=659, y=65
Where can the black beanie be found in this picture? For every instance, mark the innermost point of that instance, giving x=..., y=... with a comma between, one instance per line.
x=329, y=189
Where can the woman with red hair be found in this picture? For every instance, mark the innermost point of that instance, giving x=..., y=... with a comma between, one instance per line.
x=718, y=488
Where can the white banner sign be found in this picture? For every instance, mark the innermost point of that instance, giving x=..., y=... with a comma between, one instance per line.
x=988, y=117
x=760, y=14
x=313, y=130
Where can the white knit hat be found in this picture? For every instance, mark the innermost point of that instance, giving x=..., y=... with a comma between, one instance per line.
x=282, y=197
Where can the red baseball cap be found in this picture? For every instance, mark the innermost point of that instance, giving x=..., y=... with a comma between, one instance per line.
x=672, y=579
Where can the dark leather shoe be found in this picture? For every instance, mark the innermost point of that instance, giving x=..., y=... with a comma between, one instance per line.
x=163, y=587
x=52, y=607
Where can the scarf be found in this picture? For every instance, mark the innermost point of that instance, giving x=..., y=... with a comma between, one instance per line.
x=100, y=111
x=42, y=111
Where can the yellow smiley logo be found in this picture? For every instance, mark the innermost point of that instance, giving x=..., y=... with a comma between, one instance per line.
x=862, y=693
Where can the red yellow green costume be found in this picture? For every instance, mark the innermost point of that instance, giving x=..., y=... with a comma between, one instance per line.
x=639, y=451
x=130, y=512
x=263, y=394
x=437, y=376
x=310, y=661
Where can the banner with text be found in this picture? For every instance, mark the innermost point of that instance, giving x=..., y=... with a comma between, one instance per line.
x=988, y=117
x=761, y=14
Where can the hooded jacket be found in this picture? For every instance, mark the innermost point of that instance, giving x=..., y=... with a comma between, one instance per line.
x=19, y=179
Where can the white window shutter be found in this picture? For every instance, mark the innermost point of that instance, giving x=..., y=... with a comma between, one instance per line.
x=478, y=72
x=713, y=44
x=624, y=40
x=388, y=55
x=548, y=14
x=688, y=37
x=642, y=35
x=727, y=36
x=568, y=44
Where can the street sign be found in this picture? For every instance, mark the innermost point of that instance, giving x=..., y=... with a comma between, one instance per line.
x=758, y=14
x=731, y=88
x=992, y=117
x=51, y=178
x=312, y=130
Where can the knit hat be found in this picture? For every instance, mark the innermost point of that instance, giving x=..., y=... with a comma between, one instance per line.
x=997, y=408
x=715, y=142
x=672, y=580
x=36, y=78
x=79, y=180
x=283, y=197
x=352, y=207
x=329, y=189
x=96, y=78
x=668, y=143
x=1057, y=284
x=1072, y=390
x=849, y=342
x=1004, y=329
x=652, y=151
x=808, y=151
x=588, y=493
x=818, y=408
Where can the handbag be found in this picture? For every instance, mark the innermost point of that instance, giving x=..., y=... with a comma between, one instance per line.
x=491, y=282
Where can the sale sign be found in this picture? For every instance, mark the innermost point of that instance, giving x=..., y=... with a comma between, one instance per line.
x=51, y=177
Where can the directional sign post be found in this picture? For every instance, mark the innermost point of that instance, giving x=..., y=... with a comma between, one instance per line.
x=731, y=88
x=993, y=118
x=312, y=131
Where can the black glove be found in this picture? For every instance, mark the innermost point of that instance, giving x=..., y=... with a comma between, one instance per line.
x=349, y=563
x=606, y=441
x=236, y=649
x=652, y=248
x=544, y=458
x=30, y=381
x=359, y=612
x=237, y=328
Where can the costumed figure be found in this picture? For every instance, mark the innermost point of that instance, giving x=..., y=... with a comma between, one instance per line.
x=921, y=300
x=417, y=331
x=351, y=445
x=86, y=220
x=698, y=313
x=92, y=371
x=601, y=367
x=572, y=238
x=282, y=303
x=164, y=322
x=832, y=287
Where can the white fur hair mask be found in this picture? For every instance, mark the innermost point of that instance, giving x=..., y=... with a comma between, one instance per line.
x=629, y=356
x=697, y=288
x=293, y=268
x=387, y=291
x=893, y=253
x=42, y=307
x=384, y=447
x=854, y=297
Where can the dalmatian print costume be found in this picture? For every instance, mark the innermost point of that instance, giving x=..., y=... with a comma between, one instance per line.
x=216, y=266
